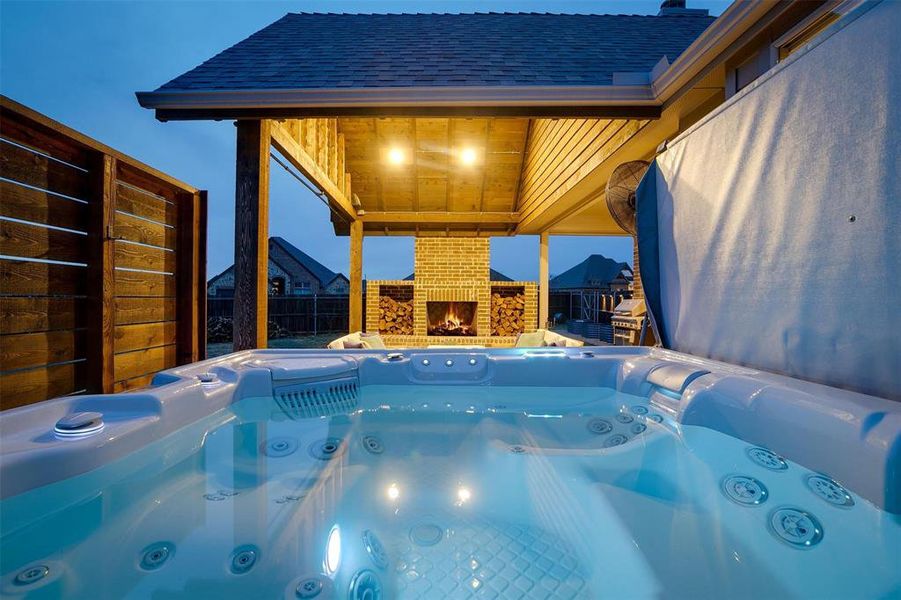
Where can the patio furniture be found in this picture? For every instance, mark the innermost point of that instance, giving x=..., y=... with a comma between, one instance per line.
x=358, y=339
x=543, y=337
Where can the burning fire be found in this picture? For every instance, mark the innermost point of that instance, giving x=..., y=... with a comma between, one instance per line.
x=452, y=318
x=454, y=322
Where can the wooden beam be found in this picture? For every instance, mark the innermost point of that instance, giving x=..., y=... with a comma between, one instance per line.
x=356, y=276
x=462, y=218
x=543, y=280
x=332, y=129
x=251, y=234
x=101, y=302
x=190, y=275
x=342, y=169
x=306, y=164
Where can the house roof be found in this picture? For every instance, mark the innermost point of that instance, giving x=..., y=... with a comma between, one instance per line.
x=337, y=276
x=316, y=51
x=492, y=276
x=319, y=271
x=596, y=270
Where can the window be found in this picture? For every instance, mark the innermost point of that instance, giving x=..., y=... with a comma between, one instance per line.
x=806, y=30
x=277, y=286
x=302, y=288
x=744, y=74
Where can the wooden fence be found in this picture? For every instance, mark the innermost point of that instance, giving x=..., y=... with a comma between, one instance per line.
x=592, y=305
x=297, y=314
x=102, y=264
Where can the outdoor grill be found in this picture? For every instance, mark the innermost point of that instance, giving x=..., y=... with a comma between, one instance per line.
x=629, y=322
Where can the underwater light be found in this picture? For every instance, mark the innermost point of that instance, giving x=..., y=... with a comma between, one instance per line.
x=393, y=491
x=463, y=495
x=333, y=551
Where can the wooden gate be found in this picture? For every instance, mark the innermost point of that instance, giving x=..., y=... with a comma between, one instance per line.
x=102, y=264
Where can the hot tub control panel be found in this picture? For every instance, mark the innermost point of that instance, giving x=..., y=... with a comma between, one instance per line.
x=450, y=368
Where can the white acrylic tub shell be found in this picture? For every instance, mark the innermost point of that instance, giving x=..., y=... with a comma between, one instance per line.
x=853, y=438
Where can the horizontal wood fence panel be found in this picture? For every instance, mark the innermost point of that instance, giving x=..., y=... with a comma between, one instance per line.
x=39, y=206
x=144, y=310
x=35, y=241
x=133, y=256
x=143, y=231
x=144, y=335
x=29, y=350
x=100, y=323
x=144, y=204
x=136, y=283
x=143, y=362
x=37, y=170
x=24, y=130
x=37, y=313
x=26, y=278
x=133, y=383
x=156, y=184
x=26, y=387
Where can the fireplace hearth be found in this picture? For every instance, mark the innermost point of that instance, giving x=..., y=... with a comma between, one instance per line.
x=452, y=318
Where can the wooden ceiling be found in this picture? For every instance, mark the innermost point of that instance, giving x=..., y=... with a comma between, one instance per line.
x=432, y=177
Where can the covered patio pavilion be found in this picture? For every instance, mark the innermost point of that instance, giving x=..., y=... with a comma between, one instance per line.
x=462, y=125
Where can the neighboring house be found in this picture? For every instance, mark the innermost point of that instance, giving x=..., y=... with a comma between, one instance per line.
x=292, y=272
x=597, y=272
x=492, y=276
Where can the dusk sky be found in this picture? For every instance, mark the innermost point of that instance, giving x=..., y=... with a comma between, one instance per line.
x=81, y=63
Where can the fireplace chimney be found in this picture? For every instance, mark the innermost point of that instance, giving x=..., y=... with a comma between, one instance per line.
x=677, y=7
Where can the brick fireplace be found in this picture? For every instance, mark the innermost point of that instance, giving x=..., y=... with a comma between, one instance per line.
x=451, y=299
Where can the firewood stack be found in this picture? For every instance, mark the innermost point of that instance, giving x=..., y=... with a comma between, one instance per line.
x=395, y=318
x=507, y=313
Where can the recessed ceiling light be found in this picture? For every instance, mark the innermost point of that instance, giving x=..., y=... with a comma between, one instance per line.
x=468, y=156
x=396, y=156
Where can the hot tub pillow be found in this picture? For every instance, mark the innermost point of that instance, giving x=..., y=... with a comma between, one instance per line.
x=530, y=340
x=373, y=340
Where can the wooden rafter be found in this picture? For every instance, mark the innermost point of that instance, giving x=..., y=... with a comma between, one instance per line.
x=317, y=170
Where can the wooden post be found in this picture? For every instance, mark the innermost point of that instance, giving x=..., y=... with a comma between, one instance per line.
x=356, y=276
x=251, y=235
x=190, y=277
x=101, y=301
x=543, y=281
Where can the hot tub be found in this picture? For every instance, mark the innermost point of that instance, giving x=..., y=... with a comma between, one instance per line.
x=547, y=473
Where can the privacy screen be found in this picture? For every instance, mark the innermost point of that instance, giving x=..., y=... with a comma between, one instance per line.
x=770, y=233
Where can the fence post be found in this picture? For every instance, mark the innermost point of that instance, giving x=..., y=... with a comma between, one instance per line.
x=101, y=273
x=190, y=272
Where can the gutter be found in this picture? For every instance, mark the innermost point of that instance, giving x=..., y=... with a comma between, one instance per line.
x=607, y=95
x=638, y=95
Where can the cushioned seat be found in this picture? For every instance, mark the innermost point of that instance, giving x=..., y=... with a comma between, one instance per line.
x=543, y=337
x=358, y=340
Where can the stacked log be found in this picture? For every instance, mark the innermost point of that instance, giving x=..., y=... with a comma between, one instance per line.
x=395, y=317
x=507, y=313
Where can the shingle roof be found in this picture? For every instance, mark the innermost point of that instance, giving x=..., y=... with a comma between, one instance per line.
x=322, y=51
x=319, y=271
x=595, y=271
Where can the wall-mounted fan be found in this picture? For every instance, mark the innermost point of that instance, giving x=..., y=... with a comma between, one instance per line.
x=620, y=192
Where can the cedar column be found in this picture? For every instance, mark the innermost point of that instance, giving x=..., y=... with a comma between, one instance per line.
x=543, y=281
x=251, y=235
x=356, y=276
x=190, y=277
x=101, y=278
